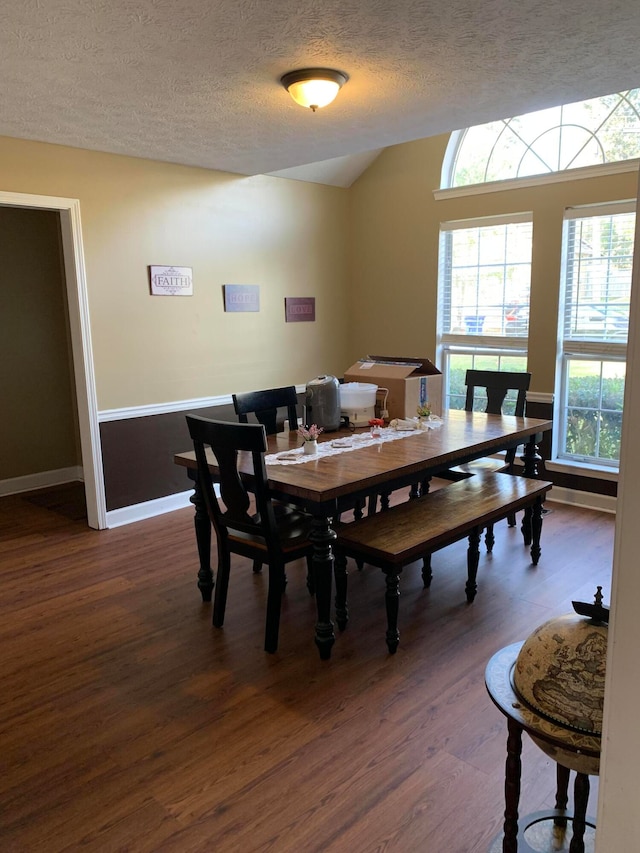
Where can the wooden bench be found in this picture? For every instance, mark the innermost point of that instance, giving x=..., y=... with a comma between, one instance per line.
x=409, y=531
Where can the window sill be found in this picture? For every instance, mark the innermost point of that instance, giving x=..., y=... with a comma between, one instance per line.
x=529, y=181
x=582, y=469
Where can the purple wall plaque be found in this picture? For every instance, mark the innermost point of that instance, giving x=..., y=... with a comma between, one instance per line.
x=300, y=309
x=241, y=297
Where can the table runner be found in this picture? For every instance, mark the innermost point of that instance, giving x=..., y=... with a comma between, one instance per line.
x=345, y=444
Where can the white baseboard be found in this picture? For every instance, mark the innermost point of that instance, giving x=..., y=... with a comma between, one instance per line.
x=588, y=500
x=40, y=480
x=148, y=509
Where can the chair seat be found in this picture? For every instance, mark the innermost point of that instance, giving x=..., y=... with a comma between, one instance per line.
x=481, y=466
x=292, y=529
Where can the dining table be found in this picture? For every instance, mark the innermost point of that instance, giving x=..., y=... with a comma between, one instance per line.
x=325, y=484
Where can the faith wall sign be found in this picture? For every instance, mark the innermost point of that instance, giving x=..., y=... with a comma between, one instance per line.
x=171, y=281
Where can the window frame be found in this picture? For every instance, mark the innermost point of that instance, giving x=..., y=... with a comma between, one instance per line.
x=597, y=132
x=475, y=345
x=582, y=347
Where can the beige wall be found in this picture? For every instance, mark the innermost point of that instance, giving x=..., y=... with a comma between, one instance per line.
x=38, y=427
x=286, y=236
x=396, y=224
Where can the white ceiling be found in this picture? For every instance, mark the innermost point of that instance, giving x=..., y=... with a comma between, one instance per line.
x=197, y=81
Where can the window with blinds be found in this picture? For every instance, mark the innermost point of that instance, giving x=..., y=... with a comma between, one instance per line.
x=597, y=274
x=594, y=318
x=484, y=286
x=485, y=277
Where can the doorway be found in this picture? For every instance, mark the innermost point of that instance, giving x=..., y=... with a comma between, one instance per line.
x=81, y=349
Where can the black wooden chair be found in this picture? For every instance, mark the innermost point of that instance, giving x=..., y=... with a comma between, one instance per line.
x=263, y=536
x=495, y=385
x=265, y=405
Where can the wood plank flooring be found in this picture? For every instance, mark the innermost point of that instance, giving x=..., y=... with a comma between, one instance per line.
x=129, y=723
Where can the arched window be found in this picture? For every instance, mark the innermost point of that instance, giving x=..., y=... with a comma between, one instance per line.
x=589, y=133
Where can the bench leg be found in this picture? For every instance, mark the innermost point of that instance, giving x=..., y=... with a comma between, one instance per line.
x=392, y=596
x=489, y=538
x=340, y=575
x=358, y=512
x=536, y=530
x=473, y=558
x=525, y=527
x=427, y=574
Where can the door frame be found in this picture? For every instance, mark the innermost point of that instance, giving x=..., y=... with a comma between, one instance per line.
x=82, y=350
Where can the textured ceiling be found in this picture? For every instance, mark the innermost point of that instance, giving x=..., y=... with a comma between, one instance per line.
x=197, y=81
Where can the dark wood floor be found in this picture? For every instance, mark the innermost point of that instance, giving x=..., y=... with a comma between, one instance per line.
x=128, y=723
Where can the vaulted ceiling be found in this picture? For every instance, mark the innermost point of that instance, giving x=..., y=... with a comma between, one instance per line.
x=197, y=81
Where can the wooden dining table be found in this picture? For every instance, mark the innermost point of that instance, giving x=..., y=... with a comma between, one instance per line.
x=324, y=486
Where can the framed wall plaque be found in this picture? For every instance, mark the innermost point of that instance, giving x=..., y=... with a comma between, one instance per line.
x=241, y=297
x=171, y=281
x=300, y=309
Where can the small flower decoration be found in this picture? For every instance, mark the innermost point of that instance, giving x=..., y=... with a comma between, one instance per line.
x=379, y=422
x=423, y=410
x=310, y=433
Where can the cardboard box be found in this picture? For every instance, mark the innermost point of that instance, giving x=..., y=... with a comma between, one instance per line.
x=411, y=382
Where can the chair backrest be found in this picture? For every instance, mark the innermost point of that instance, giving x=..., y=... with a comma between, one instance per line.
x=227, y=441
x=265, y=404
x=497, y=384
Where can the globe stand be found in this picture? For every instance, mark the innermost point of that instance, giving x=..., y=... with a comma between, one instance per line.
x=548, y=831
x=541, y=832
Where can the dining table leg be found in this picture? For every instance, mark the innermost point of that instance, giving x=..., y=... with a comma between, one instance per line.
x=322, y=537
x=531, y=458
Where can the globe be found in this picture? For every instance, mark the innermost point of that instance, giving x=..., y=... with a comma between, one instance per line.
x=559, y=674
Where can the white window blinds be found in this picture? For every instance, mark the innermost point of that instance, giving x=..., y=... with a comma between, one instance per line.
x=485, y=277
x=597, y=273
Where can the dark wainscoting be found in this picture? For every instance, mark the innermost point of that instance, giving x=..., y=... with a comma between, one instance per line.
x=560, y=478
x=137, y=456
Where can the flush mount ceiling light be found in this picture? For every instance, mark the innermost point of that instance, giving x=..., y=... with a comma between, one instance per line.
x=313, y=87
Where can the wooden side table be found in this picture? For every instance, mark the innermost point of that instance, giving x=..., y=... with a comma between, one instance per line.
x=570, y=750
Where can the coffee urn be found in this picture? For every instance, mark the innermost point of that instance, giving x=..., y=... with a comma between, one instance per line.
x=322, y=403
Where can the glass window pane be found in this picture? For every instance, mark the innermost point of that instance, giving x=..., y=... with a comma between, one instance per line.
x=584, y=384
x=597, y=277
x=582, y=432
x=610, y=432
x=459, y=363
x=458, y=366
x=613, y=376
x=593, y=417
x=587, y=133
x=485, y=275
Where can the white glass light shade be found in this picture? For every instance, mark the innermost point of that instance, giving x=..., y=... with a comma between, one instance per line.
x=313, y=87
